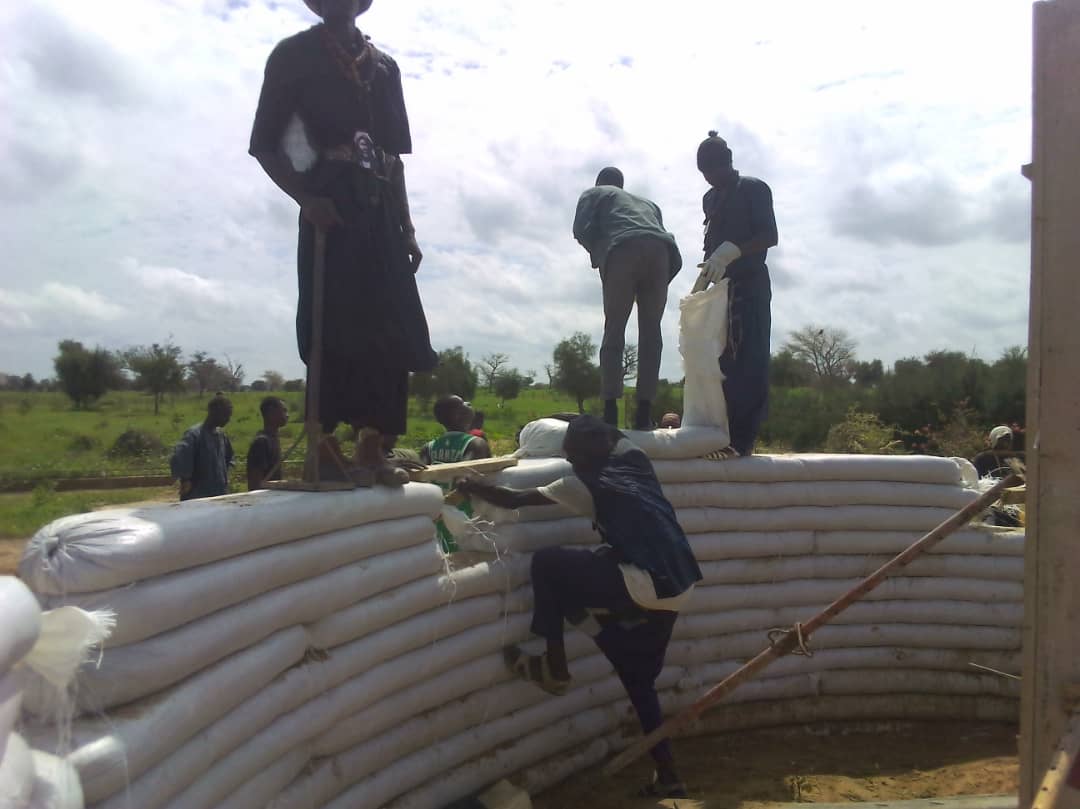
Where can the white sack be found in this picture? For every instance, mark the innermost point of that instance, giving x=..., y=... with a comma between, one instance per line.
x=56, y=784
x=722, y=597
x=790, y=568
x=817, y=467
x=402, y=603
x=552, y=771
x=140, y=669
x=21, y=619
x=817, y=493
x=260, y=790
x=153, y=606
x=699, y=631
x=106, y=549
x=543, y=439
x=703, y=325
x=110, y=751
x=10, y=699
x=815, y=518
x=16, y=772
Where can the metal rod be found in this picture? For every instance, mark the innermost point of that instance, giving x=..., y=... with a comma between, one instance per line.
x=790, y=639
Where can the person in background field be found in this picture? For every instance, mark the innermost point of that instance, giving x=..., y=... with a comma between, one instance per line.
x=740, y=227
x=625, y=237
x=457, y=443
x=201, y=459
x=671, y=421
x=626, y=594
x=264, y=454
x=994, y=460
x=347, y=95
x=477, y=426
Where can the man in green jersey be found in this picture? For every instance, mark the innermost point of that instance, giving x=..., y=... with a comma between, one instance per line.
x=457, y=443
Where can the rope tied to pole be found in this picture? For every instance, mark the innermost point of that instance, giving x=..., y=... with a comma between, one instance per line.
x=780, y=637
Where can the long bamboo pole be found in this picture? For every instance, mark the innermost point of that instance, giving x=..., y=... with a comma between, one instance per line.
x=797, y=635
x=1060, y=787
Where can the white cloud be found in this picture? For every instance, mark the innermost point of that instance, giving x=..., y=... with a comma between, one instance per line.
x=892, y=145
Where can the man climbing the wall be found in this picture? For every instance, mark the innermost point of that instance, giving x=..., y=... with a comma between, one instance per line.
x=740, y=227
x=626, y=593
x=637, y=259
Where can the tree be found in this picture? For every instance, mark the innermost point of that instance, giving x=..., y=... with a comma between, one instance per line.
x=453, y=376
x=157, y=369
x=234, y=375
x=274, y=380
x=508, y=384
x=27, y=383
x=293, y=386
x=491, y=365
x=788, y=371
x=868, y=374
x=629, y=360
x=86, y=375
x=575, y=373
x=829, y=352
x=207, y=373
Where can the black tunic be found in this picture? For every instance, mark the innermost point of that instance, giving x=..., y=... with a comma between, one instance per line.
x=374, y=329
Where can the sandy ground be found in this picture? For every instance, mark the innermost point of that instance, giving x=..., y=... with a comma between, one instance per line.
x=818, y=764
x=10, y=551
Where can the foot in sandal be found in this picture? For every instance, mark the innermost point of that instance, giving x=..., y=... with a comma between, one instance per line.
x=535, y=669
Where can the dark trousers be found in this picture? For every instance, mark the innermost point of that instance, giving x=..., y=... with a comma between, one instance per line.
x=638, y=271
x=572, y=584
x=745, y=364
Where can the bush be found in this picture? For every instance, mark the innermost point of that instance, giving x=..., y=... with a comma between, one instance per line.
x=862, y=433
x=82, y=443
x=136, y=443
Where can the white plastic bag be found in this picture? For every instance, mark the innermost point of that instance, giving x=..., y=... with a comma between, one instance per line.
x=703, y=323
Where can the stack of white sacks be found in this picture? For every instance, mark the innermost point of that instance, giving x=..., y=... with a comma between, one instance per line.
x=29, y=779
x=313, y=649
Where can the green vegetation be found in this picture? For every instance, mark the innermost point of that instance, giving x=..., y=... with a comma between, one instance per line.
x=22, y=514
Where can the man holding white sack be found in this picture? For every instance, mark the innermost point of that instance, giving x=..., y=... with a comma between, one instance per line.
x=740, y=227
x=626, y=593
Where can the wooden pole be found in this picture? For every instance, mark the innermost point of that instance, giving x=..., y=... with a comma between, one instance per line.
x=314, y=366
x=1051, y=651
x=793, y=638
x=1058, y=790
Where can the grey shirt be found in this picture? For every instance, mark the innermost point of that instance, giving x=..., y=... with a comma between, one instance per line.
x=608, y=216
x=203, y=456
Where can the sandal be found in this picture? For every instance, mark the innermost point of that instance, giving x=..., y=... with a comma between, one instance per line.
x=534, y=669
x=728, y=453
x=658, y=789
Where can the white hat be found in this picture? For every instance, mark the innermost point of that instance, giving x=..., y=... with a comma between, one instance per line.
x=998, y=433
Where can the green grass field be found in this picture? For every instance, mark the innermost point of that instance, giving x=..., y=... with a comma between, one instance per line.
x=44, y=438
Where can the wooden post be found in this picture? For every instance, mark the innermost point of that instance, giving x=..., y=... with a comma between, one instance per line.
x=1051, y=656
x=314, y=366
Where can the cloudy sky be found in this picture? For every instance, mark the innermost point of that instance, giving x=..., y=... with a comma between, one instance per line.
x=891, y=134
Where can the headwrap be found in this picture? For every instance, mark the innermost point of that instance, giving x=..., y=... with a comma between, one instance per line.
x=316, y=6
x=713, y=153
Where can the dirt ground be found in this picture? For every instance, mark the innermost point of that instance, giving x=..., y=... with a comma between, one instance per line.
x=818, y=764
x=10, y=551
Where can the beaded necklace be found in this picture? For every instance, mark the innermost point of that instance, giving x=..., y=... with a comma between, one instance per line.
x=358, y=65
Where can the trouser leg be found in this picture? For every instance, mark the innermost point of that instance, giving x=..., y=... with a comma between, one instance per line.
x=637, y=655
x=618, y=289
x=745, y=364
x=567, y=582
x=652, y=292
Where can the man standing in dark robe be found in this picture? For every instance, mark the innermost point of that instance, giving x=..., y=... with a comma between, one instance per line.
x=347, y=95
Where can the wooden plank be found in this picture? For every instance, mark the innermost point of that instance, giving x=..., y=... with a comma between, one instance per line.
x=309, y=485
x=448, y=472
x=1051, y=656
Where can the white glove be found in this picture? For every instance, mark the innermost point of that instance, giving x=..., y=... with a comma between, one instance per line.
x=716, y=264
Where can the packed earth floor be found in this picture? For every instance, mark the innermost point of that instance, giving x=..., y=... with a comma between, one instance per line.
x=833, y=763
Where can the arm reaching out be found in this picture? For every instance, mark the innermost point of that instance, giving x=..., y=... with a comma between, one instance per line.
x=501, y=496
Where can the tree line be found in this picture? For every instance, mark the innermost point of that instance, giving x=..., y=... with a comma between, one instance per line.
x=822, y=395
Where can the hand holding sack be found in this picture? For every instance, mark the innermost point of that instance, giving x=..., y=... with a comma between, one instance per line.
x=715, y=266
